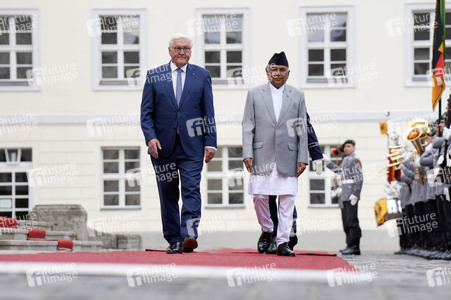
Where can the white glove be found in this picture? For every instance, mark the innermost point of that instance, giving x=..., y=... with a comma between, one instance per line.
x=326, y=158
x=417, y=162
x=317, y=165
x=353, y=199
x=446, y=133
x=440, y=160
x=338, y=192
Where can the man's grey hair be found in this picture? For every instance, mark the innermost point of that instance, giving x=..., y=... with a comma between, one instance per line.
x=267, y=67
x=180, y=36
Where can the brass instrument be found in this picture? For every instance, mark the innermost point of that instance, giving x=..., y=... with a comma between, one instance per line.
x=416, y=134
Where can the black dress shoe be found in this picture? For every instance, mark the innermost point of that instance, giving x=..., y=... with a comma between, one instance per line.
x=341, y=250
x=353, y=250
x=284, y=250
x=293, y=241
x=263, y=242
x=189, y=244
x=174, y=247
x=272, y=248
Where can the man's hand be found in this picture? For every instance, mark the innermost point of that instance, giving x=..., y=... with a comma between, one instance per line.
x=353, y=199
x=248, y=163
x=301, y=169
x=209, y=153
x=154, y=146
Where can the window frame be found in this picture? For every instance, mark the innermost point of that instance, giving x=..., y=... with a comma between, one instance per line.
x=246, y=45
x=327, y=175
x=121, y=177
x=97, y=50
x=225, y=176
x=304, y=46
x=24, y=84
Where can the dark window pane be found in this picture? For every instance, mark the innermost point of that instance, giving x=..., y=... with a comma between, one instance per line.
x=315, y=70
x=110, y=154
x=235, y=164
x=421, y=35
x=135, y=187
x=339, y=20
x=7, y=214
x=4, y=23
x=421, y=68
x=236, y=182
x=131, y=165
x=316, y=55
x=448, y=18
x=4, y=58
x=317, y=198
x=24, y=58
x=215, y=71
x=4, y=39
x=421, y=19
x=21, y=177
x=23, y=23
x=448, y=33
x=109, y=57
x=21, y=203
x=338, y=69
x=131, y=38
x=110, y=186
x=337, y=54
x=6, y=177
x=236, y=152
x=233, y=22
x=108, y=23
x=338, y=35
x=26, y=155
x=214, y=166
x=22, y=72
x=4, y=73
x=212, y=56
x=214, y=184
x=109, y=72
x=214, y=198
x=212, y=37
x=132, y=199
x=6, y=190
x=421, y=54
x=109, y=200
x=23, y=38
x=135, y=73
x=316, y=184
x=131, y=57
x=110, y=167
x=2, y=155
x=234, y=71
x=131, y=154
x=21, y=189
x=234, y=37
x=236, y=198
x=234, y=56
x=109, y=38
x=22, y=215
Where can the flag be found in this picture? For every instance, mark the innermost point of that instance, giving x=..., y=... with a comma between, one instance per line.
x=438, y=54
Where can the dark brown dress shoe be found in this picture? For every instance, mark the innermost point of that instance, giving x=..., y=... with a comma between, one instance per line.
x=272, y=248
x=174, y=247
x=263, y=242
x=189, y=244
x=284, y=250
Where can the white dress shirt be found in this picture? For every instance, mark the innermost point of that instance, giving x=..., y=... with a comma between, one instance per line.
x=174, y=76
x=277, y=97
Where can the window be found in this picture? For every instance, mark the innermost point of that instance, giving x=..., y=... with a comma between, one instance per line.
x=419, y=31
x=14, y=188
x=222, y=45
x=118, y=192
x=119, y=49
x=225, y=178
x=18, y=49
x=326, y=47
x=321, y=185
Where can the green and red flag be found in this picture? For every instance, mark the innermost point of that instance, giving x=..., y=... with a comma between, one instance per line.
x=438, y=54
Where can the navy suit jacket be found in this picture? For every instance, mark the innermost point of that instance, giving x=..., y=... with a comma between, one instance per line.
x=194, y=119
x=313, y=145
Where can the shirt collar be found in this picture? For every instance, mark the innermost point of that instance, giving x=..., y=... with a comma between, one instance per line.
x=276, y=90
x=174, y=67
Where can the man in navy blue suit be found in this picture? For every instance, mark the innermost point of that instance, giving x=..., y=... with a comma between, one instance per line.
x=177, y=119
x=317, y=165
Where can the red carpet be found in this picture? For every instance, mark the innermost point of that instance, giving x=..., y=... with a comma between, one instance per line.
x=223, y=257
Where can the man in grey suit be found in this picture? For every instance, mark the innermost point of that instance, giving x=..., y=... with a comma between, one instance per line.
x=351, y=180
x=275, y=150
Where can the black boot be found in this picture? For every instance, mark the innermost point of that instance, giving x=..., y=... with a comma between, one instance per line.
x=272, y=244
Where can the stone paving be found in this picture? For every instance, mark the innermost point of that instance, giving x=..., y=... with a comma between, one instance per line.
x=387, y=276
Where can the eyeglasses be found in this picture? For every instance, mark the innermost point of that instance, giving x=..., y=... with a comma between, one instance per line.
x=178, y=49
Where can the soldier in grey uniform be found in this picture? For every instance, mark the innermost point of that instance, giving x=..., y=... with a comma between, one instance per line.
x=405, y=196
x=351, y=178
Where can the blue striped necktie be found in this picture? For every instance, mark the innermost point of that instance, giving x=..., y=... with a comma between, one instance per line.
x=178, y=88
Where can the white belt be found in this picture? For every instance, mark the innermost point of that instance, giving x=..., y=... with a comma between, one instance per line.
x=347, y=181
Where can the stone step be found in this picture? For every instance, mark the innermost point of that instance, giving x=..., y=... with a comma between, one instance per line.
x=87, y=246
x=48, y=226
x=19, y=234
x=41, y=246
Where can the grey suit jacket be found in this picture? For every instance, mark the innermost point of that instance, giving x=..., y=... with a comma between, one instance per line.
x=266, y=139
